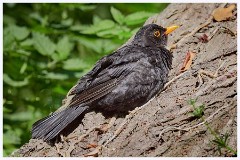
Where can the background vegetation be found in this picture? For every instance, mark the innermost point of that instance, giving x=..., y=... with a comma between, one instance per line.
x=48, y=47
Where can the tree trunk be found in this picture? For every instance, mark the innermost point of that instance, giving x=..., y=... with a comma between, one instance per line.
x=166, y=126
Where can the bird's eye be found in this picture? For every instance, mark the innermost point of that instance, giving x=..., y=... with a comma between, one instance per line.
x=156, y=33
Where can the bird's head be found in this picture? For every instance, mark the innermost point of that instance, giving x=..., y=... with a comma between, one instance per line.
x=153, y=35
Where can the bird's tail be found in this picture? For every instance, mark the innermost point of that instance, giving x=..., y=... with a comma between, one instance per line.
x=50, y=126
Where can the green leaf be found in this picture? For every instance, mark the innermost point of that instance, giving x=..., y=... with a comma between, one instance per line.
x=117, y=15
x=67, y=22
x=121, y=32
x=8, y=39
x=24, y=52
x=109, y=46
x=42, y=19
x=14, y=83
x=198, y=111
x=134, y=31
x=137, y=17
x=101, y=46
x=96, y=19
x=6, y=110
x=192, y=101
x=20, y=33
x=87, y=7
x=43, y=44
x=225, y=138
x=20, y=116
x=64, y=47
x=75, y=64
x=57, y=76
x=10, y=137
x=80, y=74
x=78, y=27
x=8, y=20
x=108, y=33
x=103, y=25
x=59, y=90
x=92, y=43
x=27, y=42
x=23, y=68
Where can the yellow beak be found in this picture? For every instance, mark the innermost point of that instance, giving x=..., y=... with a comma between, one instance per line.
x=170, y=29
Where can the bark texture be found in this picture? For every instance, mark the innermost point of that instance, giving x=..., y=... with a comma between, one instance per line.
x=165, y=126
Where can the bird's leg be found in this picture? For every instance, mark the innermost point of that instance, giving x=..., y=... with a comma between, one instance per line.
x=202, y=72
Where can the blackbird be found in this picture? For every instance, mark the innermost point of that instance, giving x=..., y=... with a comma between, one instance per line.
x=119, y=82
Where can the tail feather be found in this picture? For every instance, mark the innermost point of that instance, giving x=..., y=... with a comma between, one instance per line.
x=50, y=126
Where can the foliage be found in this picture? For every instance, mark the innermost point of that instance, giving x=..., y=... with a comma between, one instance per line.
x=197, y=111
x=48, y=47
x=219, y=140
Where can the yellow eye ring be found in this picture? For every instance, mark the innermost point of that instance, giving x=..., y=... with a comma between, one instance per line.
x=156, y=33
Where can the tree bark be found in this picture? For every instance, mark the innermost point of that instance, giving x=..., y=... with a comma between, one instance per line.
x=165, y=126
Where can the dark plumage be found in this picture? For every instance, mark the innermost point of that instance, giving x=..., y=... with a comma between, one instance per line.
x=119, y=82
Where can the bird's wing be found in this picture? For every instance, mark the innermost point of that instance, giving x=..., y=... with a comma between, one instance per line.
x=103, y=83
x=101, y=80
x=86, y=80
